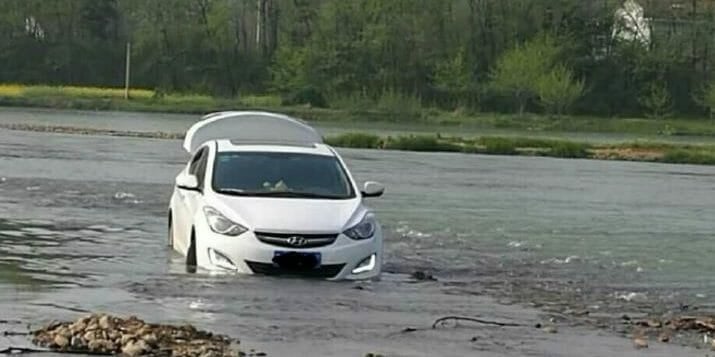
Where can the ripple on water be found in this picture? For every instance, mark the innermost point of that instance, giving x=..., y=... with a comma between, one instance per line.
x=38, y=231
x=16, y=234
x=105, y=228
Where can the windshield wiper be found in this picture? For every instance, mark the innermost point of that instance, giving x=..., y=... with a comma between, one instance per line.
x=286, y=194
x=290, y=194
x=232, y=191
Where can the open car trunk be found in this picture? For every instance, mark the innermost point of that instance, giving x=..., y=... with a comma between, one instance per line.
x=248, y=127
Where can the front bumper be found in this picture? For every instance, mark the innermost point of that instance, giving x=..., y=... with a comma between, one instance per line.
x=248, y=255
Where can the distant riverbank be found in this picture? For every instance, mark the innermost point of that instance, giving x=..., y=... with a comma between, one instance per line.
x=343, y=111
x=489, y=145
x=461, y=132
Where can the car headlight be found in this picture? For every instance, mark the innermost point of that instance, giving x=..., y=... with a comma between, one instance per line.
x=222, y=225
x=363, y=230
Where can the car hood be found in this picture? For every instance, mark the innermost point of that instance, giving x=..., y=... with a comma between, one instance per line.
x=288, y=215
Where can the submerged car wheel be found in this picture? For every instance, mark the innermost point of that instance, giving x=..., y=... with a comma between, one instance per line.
x=191, y=255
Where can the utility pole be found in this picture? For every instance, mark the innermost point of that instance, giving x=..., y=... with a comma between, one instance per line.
x=127, y=70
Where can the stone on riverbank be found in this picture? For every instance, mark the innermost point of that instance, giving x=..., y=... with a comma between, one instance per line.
x=106, y=334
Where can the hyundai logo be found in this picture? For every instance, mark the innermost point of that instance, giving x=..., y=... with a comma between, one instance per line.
x=296, y=241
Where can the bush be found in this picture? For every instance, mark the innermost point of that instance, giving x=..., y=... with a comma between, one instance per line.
x=356, y=101
x=306, y=95
x=569, y=149
x=420, y=143
x=499, y=146
x=260, y=101
x=690, y=156
x=355, y=140
x=558, y=90
x=395, y=102
x=656, y=100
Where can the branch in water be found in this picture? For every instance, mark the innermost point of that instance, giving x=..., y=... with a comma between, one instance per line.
x=472, y=319
x=14, y=333
x=21, y=350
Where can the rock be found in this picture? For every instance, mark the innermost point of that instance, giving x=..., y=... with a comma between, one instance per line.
x=144, y=330
x=640, y=343
x=127, y=338
x=422, y=276
x=60, y=341
x=76, y=342
x=96, y=345
x=550, y=329
x=135, y=348
x=77, y=327
x=150, y=339
x=88, y=336
x=106, y=334
x=111, y=346
x=664, y=337
x=105, y=323
x=114, y=335
x=64, y=332
x=653, y=323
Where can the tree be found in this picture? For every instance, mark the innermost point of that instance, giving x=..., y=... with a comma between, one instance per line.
x=656, y=99
x=454, y=77
x=708, y=99
x=518, y=71
x=558, y=90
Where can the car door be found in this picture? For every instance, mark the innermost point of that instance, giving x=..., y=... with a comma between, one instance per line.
x=189, y=200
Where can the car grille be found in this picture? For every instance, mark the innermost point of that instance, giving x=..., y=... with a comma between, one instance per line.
x=297, y=241
x=324, y=271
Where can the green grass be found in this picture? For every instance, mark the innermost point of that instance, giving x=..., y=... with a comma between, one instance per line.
x=661, y=152
x=690, y=155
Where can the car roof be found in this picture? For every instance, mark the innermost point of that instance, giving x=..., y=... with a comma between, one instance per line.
x=224, y=145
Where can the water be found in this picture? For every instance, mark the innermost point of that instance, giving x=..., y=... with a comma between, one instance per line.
x=82, y=228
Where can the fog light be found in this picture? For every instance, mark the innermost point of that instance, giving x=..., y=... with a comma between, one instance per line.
x=365, y=265
x=220, y=260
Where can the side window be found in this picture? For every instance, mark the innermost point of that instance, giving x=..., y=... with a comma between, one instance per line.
x=196, y=160
x=197, y=167
x=201, y=169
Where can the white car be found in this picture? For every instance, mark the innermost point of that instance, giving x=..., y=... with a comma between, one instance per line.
x=262, y=194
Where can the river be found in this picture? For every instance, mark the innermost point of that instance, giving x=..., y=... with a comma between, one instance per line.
x=82, y=228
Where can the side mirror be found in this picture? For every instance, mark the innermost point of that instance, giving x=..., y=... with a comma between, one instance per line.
x=187, y=182
x=373, y=189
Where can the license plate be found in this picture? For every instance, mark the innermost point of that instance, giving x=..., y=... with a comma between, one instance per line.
x=297, y=260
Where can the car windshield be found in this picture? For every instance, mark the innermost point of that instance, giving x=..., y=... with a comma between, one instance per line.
x=278, y=174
